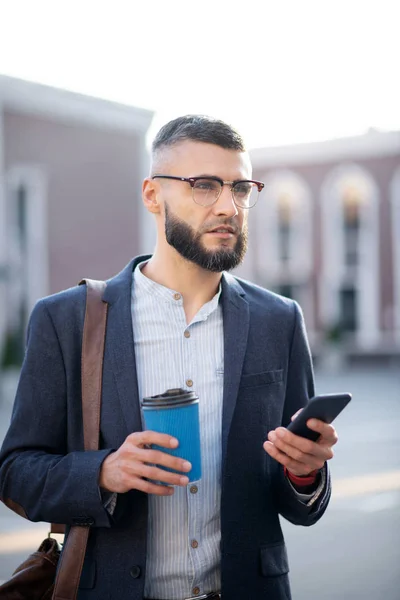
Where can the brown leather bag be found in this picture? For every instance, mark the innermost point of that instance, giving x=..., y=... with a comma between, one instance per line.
x=38, y=578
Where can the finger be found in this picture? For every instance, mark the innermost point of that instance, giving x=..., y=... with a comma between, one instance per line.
x=152, y=488
x=157, y=457
x=299, y=448
x=327, y=431
x=292, y=465
x=144, y=438
x=157, y=474
x=296, y=414
x=281, y=436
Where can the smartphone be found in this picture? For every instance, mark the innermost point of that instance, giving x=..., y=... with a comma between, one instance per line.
x=325, y=408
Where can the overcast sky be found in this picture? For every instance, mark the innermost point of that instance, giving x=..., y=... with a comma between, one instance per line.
x=281, y=72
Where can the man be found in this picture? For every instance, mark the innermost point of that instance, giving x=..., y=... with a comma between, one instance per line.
x=176, y=319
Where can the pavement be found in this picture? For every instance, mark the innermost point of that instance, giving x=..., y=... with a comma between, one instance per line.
x=354, y=551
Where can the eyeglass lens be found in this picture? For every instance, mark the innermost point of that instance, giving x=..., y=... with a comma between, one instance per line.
x=206, y=191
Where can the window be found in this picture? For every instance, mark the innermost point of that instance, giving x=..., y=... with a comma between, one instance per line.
x=352, y=203
x=285, y=219
x=349, y=281
x=284, y=252
x=26, y=236
x=348, y=309
x=285, y=227
x=286, y=290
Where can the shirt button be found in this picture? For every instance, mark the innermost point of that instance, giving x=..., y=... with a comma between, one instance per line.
x=194, y=544
x=194, y=489
x=189, y=382
x=177, y=296
x=135, y=571
x=195, y=591
x=187, y=333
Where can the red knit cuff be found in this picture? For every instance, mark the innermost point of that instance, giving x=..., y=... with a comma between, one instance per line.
x=301, y=481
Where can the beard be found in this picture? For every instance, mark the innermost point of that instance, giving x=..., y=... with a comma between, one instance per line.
x=187, y=242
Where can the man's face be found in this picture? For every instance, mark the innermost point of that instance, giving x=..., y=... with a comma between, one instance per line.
x=213, y=237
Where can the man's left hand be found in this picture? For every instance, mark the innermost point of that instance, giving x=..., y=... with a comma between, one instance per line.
x=299, y=455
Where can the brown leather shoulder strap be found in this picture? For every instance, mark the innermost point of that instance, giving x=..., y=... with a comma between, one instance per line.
x=94, y=332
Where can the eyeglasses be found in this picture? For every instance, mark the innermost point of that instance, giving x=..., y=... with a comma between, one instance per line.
x=207, y=190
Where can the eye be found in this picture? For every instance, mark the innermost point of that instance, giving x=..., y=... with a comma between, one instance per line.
x=207, y=185
x=243, y=188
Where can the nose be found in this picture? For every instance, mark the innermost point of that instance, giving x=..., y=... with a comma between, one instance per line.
x=225, y=204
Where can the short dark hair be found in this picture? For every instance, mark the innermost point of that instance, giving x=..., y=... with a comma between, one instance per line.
x=198, y=128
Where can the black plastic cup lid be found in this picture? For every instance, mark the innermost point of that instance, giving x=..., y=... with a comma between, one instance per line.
x=170, y=398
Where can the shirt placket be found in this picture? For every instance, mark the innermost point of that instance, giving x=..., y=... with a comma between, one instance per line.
x=193, y=489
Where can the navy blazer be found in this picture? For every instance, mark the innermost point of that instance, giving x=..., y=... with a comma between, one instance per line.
x=46, y=476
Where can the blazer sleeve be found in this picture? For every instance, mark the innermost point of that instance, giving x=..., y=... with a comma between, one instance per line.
x=39, y=478
x=299, y=388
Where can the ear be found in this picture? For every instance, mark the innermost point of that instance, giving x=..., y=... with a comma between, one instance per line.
x=150, y=191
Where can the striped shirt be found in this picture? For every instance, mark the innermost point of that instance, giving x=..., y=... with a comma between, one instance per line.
x=183, y=544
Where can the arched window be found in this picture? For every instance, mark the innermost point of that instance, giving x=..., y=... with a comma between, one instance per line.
x=286, y=208
x=284, y=238
x=285, y=227
x=349, y=285
x=353, y=197
x=26, y=235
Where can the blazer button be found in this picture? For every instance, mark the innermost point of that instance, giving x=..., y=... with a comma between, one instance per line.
x=135, y=571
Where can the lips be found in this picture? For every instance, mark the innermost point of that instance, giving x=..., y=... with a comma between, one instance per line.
x=222, y=229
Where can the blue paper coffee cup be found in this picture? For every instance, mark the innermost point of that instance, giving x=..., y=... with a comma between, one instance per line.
x=176, y=412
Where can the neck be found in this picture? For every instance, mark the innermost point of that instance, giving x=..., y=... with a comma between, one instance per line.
x=197, y=285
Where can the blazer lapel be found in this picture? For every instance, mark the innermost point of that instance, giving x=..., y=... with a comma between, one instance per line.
x=236, y=328
x=120, y=344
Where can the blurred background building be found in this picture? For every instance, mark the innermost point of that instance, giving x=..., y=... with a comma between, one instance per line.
x=327, y=232
x=71, y=168
x=328, y=235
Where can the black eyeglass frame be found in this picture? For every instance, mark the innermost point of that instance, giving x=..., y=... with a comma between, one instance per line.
x=192, y=181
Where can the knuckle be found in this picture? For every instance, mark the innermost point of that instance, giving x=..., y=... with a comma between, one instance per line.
x=308, y=447
x=285, y=460
x=142, y=470
x=149, y=472
x=124, y=453
x=297, y=455
x=146, y=486
x=134, y=438
x=269, y=449
x=157, y=474
x=172, y=478
x=154, y=456
x=178, y=465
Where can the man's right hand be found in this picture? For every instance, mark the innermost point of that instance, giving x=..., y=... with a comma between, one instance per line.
x=129, y=467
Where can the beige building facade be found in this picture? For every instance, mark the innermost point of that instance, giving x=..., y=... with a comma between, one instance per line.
x=327, y=233
x=71, y=168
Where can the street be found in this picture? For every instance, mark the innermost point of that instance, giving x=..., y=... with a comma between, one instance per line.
x=354, y=551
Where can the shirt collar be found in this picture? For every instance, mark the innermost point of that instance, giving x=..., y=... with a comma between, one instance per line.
x=143, y=284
